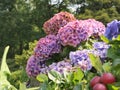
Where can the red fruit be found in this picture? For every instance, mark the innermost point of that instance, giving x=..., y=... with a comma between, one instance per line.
x=94, y=81
x=99, y=86
x=107, y=78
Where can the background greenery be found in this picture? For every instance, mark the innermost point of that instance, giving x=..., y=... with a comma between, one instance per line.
x=21, y=23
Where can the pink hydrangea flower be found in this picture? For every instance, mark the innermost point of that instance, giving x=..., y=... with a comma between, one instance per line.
x=95, y=28
x=57, y=21
x=72, y=34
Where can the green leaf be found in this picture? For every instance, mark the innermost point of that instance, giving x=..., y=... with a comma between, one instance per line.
x=42, y=78
x=113, y=53
x=35, y=88
x=78, y=75
x=4, y=67
x=107, y=67
x=116, y=71
x=44, y=86
x=116, y=62
x=5, y=85
x=115, y=86
x=22, y=86
x=68, y=76
x=104, y=39
x=55, y=76
x=96, y=62
x=118, y=38
x=78, y=87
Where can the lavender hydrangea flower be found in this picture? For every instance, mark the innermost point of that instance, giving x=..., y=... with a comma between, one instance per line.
x=101, y=49
x=112, y=29
x=61, y=66
x=81, y=59
x=72, y=34
x=46, y=47
x=35, y=67
x=57, y=21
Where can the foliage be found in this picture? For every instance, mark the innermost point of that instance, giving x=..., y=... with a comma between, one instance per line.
x=18, y=76
x=21, y=22
x=5, y=74
x=21, y=60
x=105, y=11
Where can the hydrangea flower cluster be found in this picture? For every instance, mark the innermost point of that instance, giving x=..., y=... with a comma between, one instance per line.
x=57, y=21
x=76, y=31
x=35, y=67
x=95, y=28
x=61, y=66
x=46, y=47
x=72, y=34
x=81, y=59
x=101, y=49
x=112, y=29
x=43, y=51
x=64, y=29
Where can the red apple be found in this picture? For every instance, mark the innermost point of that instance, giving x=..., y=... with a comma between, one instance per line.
x=107, y=78
x=94, y=81
x=99, y=86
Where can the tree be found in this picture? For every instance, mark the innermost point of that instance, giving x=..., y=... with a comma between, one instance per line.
x=21, y=22
x=102, y=10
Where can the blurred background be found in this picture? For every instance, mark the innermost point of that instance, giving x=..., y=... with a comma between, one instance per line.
x=21, y=24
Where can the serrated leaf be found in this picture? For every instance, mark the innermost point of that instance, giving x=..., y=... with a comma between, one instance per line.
x=116, y=71
x=5, y=85
x=118, y=38
x=104, y=39
x=113, y=87
x=22, y=86
x=68, y=76
x=113, y=53
x=107, y=67
x=96, y=62
x=78, y=75
x=45, y=86
x=78, y=87
x=116, y=62
x=42, y=78
x=55, y=77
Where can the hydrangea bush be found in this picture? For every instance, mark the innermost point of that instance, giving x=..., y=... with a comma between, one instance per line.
x=73, y=72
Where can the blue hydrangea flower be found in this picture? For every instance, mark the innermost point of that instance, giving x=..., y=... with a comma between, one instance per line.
x=112, y=29
x=81, y=59
x=60, y=66
x=101, y=49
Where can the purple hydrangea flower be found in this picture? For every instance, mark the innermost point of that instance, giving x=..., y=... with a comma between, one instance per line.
x=101, y=49
x=112, y=29
x=72, y=34
x=81, y=59
x=46, y=47
x=35, y=67
x=61, y=66
x=57, y=21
